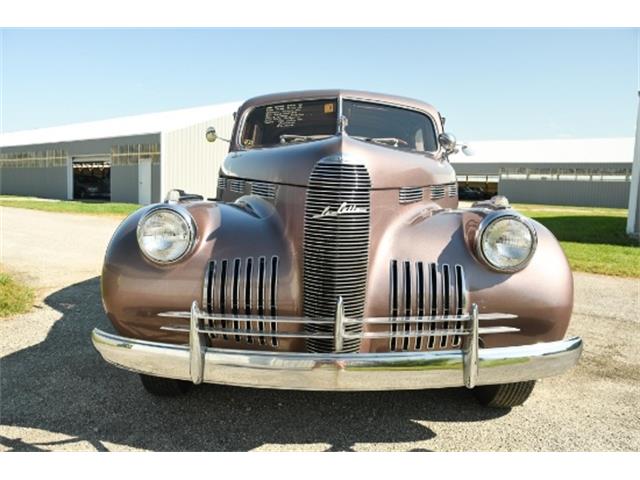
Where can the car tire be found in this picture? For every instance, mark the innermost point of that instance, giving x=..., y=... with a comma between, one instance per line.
x=505, y=395
x=164, y=387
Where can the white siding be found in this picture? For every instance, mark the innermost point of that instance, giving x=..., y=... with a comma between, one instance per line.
x=189, y=162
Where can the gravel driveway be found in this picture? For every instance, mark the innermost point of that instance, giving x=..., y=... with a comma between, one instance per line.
x=57, y=393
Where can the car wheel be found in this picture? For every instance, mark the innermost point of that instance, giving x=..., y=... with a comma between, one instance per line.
x=164, y=387
x=506, y=395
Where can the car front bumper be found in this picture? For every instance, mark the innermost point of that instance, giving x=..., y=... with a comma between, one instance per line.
x=340, y=371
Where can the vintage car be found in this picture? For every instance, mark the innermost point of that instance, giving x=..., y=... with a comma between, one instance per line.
x=336, y=258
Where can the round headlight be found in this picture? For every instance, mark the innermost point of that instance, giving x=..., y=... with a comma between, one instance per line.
x=166, y=235
x=507, y=243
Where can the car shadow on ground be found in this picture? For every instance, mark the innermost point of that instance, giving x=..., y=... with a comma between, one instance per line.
x=62, y=385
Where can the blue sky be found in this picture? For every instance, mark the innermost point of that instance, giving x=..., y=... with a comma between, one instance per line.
x=490, y=84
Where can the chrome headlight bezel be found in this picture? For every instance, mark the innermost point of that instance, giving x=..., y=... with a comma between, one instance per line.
x=490, y=220
x=184, y=216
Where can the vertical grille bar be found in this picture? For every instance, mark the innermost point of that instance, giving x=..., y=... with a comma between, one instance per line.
x=210, y=286
x=261, y=273
x=460, y=301
x=407, y=301
x=247, y=294
x=222, y=295
x=433, y=300
x=394, y=300
x=273, y=288
x=336, y=247
x=446, y=292
x=420, y=293
x=235, y=294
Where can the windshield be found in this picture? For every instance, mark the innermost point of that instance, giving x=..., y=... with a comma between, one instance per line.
x=290, y=123
x=304, y=121
x=391, y=126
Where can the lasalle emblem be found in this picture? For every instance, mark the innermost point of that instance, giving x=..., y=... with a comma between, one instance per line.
x=343, y=209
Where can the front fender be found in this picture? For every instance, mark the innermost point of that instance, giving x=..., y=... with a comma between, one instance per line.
x=135, y=290
x=541, y=294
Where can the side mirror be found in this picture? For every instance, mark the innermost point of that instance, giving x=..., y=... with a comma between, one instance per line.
x=448, y=142
x=212, y=136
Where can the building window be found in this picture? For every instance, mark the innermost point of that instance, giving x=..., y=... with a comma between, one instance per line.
x=34, y=159
x=131, y=154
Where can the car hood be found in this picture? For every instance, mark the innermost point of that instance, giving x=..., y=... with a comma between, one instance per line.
x=293, y=164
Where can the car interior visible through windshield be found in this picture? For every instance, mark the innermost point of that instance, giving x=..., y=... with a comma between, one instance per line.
x=392, y=126
x=290, y=123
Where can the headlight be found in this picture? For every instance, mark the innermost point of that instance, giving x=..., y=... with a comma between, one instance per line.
x=166, y=235
x=506, y=242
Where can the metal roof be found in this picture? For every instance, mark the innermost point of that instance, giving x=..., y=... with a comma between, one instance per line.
x=118, y=127
x=561, y=150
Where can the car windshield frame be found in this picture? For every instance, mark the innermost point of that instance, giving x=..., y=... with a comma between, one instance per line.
x=242, y=124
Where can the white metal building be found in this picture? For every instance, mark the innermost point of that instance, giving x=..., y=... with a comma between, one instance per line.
x=139, y=158
x=133, y=159
x=588, y=172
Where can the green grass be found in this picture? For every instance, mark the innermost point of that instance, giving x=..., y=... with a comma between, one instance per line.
x=15, y=297
x=594, y=239
x=88, y=207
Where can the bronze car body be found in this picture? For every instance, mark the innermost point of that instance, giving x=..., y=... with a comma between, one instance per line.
x=335, y=261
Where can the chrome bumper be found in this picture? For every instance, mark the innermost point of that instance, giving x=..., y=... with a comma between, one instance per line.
x=468, y=367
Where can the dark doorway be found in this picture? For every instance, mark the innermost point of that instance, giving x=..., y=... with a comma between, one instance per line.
x=92, y=180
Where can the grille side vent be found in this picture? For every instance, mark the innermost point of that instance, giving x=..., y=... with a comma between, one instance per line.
x=222, y=183
x=336, y=247
x=411, y=194
x=243, y=286
x=419, y=289
x=236, y=186
x=265, y=190
x=437, y=192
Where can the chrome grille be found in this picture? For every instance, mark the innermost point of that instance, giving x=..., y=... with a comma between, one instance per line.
x=452, y=189
x=222, y=183
x=266, y=190
x=425, y=289
x=243, y=287
x=236, y=186
x=411, y=194
x=336, y=248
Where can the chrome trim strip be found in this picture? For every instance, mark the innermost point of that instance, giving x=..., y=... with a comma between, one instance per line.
x=196, y=349
x=344, y=371
x=347, y=321
x=471, y=351
x=327, y=336
x=339, y=325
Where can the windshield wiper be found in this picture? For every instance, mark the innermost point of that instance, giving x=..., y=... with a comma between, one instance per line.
x=293, y=138
x=393, y=141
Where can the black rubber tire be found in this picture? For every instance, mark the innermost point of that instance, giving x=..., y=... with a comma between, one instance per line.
x=164, y=387
x=505, y=395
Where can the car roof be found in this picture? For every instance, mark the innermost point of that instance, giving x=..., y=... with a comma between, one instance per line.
x=335, y=93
